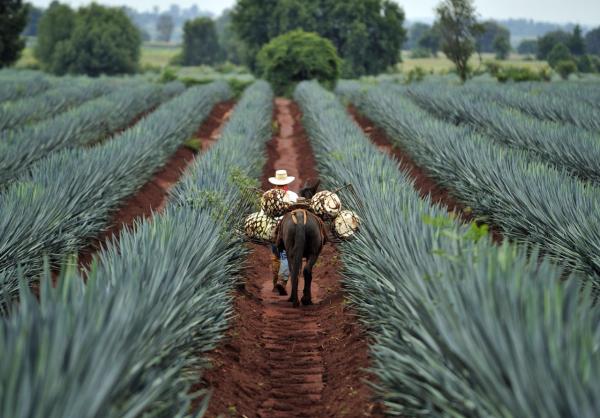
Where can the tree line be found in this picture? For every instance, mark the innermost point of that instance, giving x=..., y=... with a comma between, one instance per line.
x=368, y=36
x=459, y=34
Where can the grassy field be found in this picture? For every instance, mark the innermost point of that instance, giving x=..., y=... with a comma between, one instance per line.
x=27, y=58
x=153, y=54
x=442, y=64
x=156, y=54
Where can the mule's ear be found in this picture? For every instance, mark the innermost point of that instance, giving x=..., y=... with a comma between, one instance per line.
x=310, y=188
x=315, y=187
x=312, y=184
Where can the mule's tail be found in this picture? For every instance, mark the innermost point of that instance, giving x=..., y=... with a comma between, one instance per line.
x=298, y=251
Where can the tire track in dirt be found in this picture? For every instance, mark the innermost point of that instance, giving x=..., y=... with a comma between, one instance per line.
x=152, y=197
x=279, y=361
x=422, y=182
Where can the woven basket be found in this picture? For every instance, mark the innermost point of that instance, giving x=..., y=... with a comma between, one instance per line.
x=326, y=204
x=260, y=226
x=346, y=224
x=274, y=203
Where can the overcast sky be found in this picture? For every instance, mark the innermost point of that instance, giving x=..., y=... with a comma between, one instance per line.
x=577, y=11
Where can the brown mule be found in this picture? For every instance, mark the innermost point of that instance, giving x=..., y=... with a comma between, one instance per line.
x=302, y=234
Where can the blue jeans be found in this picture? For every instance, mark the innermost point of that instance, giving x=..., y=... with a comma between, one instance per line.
x=284, y=268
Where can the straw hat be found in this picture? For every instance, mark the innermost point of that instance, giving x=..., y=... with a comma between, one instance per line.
x=281, y=178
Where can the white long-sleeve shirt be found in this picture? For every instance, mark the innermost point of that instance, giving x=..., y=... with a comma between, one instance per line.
x=290, y=197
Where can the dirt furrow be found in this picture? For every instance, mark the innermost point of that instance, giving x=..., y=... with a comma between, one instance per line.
x=279, y=361
x=423, y=183
x=152, y=197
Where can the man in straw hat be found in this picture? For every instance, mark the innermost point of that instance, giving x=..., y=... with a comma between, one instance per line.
x=280, y=267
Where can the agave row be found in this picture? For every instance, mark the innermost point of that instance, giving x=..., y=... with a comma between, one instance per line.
x=462, y=328
x=582, y=90
x=553, y=107
x=153, y=303
x=15, y=85
x=565, y=146
x=84, y=125
x=530, y=201
x=68, y=198
x=54, y=101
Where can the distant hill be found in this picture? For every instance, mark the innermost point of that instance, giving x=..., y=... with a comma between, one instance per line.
x=519, y=28
x=530, y=29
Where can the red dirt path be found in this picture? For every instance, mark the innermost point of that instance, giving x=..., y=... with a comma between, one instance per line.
x=423, y=183
x=277, y=361
x=152, y=197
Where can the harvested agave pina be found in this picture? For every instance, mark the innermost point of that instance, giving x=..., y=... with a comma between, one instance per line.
x=326, y=204
x=259, y=225
x=274, y=202
x=346, y=224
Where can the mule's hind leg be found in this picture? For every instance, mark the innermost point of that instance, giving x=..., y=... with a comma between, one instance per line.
x=307, y=273
x=294, y=273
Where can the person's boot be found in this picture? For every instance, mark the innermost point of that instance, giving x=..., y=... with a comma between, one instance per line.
x=280, y=287
x=275, y=263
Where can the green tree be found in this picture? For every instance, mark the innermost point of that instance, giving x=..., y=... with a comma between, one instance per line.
x=528, y=47
x=566, y=68
x=33, y=19
x=592, y=41
x=414, y=34
x=292, y=14
x=232, y=48
x=103, y=41
x=13, y=19
x=200, y=42
x=458, y=28
x=431, y=40
x=164, y=27
x=501, y=46
x=297, y=56
x=490, y=31
x=586, y=64
x=56, y=25
x=367, y=33
x=576, y=43
x=595, y=61
x=559, y=53
x=547, y=42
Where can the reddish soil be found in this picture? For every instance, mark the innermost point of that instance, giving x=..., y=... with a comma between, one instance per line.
x=152, y=197
x=423, y=183
x=279, y=361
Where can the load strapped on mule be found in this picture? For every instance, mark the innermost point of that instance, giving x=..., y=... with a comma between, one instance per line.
x=262, y=226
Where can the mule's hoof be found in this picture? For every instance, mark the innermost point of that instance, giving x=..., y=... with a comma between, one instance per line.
x=281, y=289
x=306, y=301
x=295, y=303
